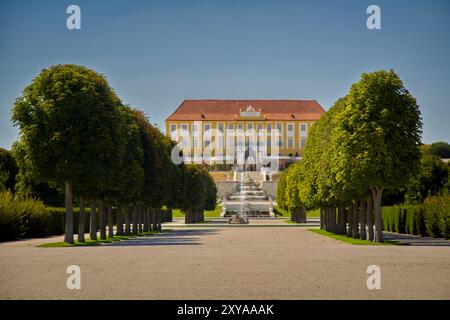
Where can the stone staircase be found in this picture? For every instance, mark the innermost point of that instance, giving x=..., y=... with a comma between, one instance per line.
x=250, y=198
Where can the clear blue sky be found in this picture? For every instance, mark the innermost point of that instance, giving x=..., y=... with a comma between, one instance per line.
x=157, y=53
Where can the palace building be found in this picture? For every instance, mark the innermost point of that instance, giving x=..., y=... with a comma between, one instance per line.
x=217, y=131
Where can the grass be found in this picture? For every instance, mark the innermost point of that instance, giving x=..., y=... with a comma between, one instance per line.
x=90, y=243
x=177, y=213
x=309, y=213
x=353, y=241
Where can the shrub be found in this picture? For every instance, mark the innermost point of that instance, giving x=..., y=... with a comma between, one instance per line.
x=437, y=216
x=11, y=225
x=430, y=218
x=28, y=218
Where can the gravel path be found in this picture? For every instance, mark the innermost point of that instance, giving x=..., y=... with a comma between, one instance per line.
x=224, y=263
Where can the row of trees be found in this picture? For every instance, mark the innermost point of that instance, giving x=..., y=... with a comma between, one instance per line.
x=75, y=133
x=367, y=142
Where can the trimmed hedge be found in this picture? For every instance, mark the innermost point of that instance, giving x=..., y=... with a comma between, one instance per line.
x=11, y=225
x=32, y=219
x=431, y=218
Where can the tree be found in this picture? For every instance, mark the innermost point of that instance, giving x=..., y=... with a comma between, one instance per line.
x=130, y=177
x=382, y=125
x=292, y=201
x=200, y=193
x=430, y=181
x=211, y=193
x=281, y=187
x=440, y=149
x=150, y=153
x=8, y=167
x=367, y=142
x=69, y=120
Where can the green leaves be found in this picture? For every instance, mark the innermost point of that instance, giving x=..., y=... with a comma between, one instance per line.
x=58, y=114
x=367, y=140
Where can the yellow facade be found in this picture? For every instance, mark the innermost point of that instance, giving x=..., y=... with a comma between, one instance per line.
x=293, y=134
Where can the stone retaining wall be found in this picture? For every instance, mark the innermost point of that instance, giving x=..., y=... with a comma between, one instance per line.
x=270, y=188
x=226, y=188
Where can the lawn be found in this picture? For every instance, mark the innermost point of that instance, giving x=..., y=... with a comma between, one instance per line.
x=352, y=240
x=177, y=213
x=98, y=242
x=310, y=213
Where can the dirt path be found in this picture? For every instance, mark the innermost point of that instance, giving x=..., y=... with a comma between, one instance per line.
x=225, y=263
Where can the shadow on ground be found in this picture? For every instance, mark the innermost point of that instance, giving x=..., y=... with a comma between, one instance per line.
x=173, y=238
x=413, y=240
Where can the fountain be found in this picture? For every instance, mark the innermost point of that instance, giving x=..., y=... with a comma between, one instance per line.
x=249, y=201
x=241, y=217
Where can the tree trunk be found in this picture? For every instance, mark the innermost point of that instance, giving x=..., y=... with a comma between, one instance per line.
x=350, y=220
x=110, y=222
x=145, y=218
x=188, y=216
x=333, y=219
x=344, y=219
x=328, y=219
x=140, y=214
x=93, y=221
x=68, y=232
x=340, y=224
x=119, y=231
x=377, y=194
x=149, y=218
x=322, y=218
x=369, y=221
x=128, y=213
x=81, y=218
x=155, y=219
x=135, y=220
x=355, y=224
x=102, y=221
x=201, y=217
x=159, y=222
x=362, y=218
x=151, y=213
x=303, y=214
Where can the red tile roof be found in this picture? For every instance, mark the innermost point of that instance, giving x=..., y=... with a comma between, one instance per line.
x=228, y=110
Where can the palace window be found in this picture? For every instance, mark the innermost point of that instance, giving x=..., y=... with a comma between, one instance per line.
x=290, y=127
x=173, y=131
x=303, y=130
x=290, y=143
x=195, y=142
x=279, y=128
x=195, y=129
x=220, y=135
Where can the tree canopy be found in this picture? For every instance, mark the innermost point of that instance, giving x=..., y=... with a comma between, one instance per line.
x=368, y=141
x=76, y=134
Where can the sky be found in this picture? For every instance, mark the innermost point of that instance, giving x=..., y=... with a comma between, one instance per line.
x=155, y=54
